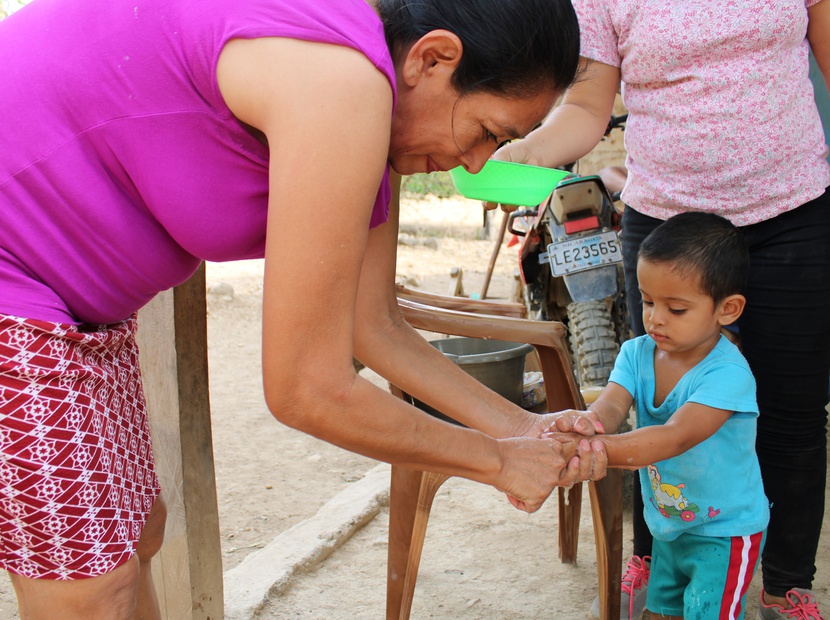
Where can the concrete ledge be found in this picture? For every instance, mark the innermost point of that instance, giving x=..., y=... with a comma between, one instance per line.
x=270, y=570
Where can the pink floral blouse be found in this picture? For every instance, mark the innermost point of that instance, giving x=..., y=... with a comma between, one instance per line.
x=721, y=109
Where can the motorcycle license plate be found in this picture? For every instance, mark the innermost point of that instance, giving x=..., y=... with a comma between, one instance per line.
x=575, y=255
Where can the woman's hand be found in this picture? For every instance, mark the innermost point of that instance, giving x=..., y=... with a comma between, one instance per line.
x=534, y=467
x=585, y=423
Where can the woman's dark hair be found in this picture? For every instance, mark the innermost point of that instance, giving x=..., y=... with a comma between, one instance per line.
x=511, y=47
x=702, y=244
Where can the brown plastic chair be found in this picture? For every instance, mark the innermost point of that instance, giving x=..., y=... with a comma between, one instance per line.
x=412, y=492
x=463, y=304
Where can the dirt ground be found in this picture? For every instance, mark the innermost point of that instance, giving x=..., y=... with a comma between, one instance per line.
x=482, y=559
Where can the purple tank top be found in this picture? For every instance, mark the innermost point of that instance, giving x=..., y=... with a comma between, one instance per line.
x=121, y=167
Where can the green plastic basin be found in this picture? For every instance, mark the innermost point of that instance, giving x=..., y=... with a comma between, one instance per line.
x=508, y=183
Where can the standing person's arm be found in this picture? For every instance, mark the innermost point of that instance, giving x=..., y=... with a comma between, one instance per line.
x=326, y=113
x=818, y=34
x=575, y=126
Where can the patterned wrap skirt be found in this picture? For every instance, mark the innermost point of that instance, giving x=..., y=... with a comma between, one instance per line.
x=77, y=478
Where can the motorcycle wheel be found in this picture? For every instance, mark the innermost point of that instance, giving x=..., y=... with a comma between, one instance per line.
x=593, y=341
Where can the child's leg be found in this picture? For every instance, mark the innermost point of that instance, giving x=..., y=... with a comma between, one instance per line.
x=744, y=555
x=714, y=573
x=667, y=583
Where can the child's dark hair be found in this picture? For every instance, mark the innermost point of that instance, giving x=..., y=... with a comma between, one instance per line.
x=511, y=47
x=702, y=244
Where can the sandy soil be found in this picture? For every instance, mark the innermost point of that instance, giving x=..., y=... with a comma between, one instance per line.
x=482, y=560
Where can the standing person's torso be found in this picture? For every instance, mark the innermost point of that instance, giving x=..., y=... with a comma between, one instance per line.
x=721, y=110
x=121, y=167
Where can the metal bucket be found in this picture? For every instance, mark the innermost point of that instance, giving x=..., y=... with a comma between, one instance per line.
x=497, y=364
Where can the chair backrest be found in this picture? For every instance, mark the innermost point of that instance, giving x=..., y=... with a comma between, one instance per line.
x=463, y=304
x=549, y=338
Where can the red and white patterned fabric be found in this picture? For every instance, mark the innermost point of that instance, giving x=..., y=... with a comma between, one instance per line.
x=77, y=478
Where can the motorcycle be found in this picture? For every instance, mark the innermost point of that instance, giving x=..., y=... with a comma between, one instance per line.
x=570, y=264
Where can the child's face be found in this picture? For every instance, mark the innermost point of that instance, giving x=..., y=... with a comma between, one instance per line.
x=678, y=316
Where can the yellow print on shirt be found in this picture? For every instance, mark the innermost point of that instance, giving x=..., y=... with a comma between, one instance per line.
x=670, y=500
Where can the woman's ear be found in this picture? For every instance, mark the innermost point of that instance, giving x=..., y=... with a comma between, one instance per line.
x=731, y=308
x=437, y=52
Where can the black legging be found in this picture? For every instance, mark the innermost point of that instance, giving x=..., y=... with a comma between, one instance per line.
x=785, y=336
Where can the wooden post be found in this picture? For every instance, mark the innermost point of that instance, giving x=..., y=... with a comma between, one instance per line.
x=505, y=217
x=172, y=337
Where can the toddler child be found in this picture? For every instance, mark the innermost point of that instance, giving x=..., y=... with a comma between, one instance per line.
x=694, y=441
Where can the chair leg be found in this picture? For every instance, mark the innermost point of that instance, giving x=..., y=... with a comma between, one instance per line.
x=410, y=500
x=403, y=501
x=606, y=511
x=570, y=507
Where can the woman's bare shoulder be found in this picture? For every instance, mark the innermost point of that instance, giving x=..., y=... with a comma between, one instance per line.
x=267, y=76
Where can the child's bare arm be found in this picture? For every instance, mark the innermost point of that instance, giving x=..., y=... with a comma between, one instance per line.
x=612, y=406
x=691, y=424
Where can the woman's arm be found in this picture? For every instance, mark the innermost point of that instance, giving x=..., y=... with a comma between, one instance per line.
x=818, y=34
x=387, y=342
x=391, y=347
x=326, y=113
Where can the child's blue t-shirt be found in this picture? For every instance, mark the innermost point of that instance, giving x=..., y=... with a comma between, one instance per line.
x=715, y=488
